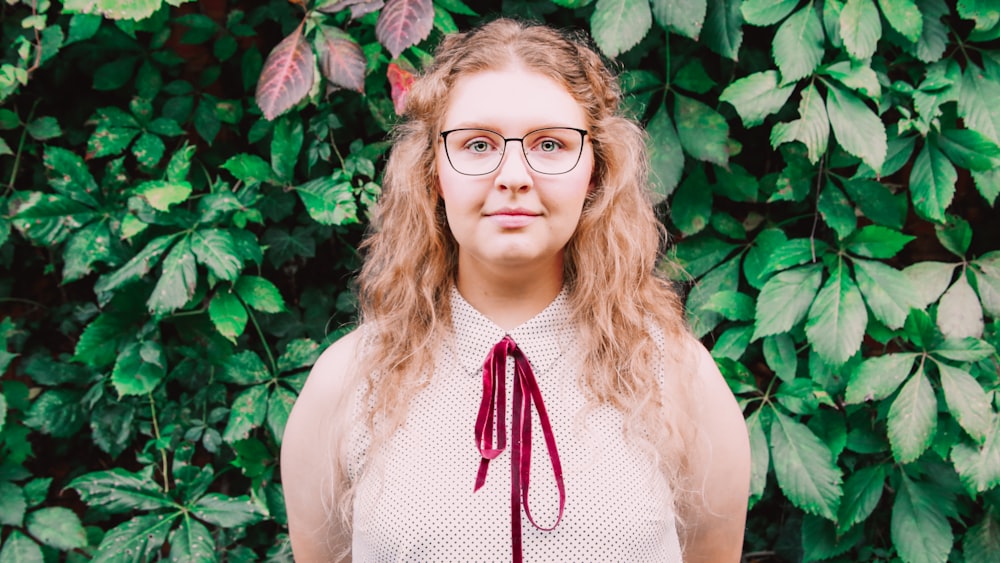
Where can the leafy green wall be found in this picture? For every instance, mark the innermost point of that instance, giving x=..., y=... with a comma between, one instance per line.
x=184, y=185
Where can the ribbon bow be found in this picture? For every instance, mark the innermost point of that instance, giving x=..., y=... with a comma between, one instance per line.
x=492, y=411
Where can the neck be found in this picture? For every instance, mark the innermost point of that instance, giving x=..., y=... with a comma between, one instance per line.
x=509, y=297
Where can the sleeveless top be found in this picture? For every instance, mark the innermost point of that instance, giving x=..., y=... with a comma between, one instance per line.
x=416, y=502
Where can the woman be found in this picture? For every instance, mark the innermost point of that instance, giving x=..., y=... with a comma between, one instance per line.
x=515, y=249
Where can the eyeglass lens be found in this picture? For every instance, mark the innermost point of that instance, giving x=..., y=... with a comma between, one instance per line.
x=548, y=151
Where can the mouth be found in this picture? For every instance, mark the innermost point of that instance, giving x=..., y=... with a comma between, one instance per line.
x=511, y=218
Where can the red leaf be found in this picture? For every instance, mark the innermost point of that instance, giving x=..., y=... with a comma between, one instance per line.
x=403, y=23
x=400, y=80
x=358, y=7
x=287, y=76
x=341, y=60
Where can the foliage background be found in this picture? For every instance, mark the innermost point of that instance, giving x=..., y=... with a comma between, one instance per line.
x=172, y=261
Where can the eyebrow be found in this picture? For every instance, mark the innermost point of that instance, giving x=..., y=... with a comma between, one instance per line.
x=482, y=125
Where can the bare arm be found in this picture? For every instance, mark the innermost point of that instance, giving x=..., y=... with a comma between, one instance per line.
x=714, y=530
x=307, y=458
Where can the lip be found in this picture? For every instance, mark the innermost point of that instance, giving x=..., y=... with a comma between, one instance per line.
x=513, y=218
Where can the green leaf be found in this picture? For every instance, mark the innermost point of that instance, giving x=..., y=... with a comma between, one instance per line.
x=226, y=512
x=148, y=150
x=248, y=412
x=912, y=419
x=732, y=305
x=967, y=401
x=858, y=130
x=904, y=17
x=977, y=102
x=120, y=491
x=837, y=318
x=985, y=272
x=135, y=541
x=723, y=29
x=279, y=406
x=43, y=128
x=820, y=539
x=723, y=278
x=48, y=219
x=245, y=368
x=988, y=184
x=964, y=349
x=758, y=95
x=857, y=76
x=702, y=131
x=191, y=542
x=785, y=299
x=57, y=412
x=760, y=455
x=798, y=44
x=979, y=468
x=879, y=377
x=684, y=17
x=887, y=291
x=228, y=315
x=919, y=529
x=691, y=206
x=811, y=129
x=161, y=194
x=955, y=235
x=69, y=175
x=934, y=36
x=860, y=28
x=666, y=157
x=300, y=353
x=249, y=168
x=732, y=343
x=755, y=263
x=932, y=183
x=982, y=541
x=286, y=143
x=90, y=244
x=780, y=355
x=177, y=281
x=139, y=369
x=619, y=25
x=804, y=467
x=878, y=203
x=766, y=12
x=57, y=527
x=216, y=249
x=968, y=149
x=260, y=294
x=874, y=241
x=138, y=266
x=862, y=491
x=19, y=548
x=836, y=211
x=111, y=427
x=930, y=279
x=12, y=504
x=328, y=201
x=959, y=313
x=99, y=341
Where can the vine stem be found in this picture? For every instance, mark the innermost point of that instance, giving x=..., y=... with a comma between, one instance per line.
x=20, y=146
x=263, y=342
x=163, y=451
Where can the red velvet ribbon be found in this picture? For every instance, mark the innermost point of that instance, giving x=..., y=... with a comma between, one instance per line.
x=492, y=411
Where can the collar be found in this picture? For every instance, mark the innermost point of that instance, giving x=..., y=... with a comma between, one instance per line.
x=544, y=338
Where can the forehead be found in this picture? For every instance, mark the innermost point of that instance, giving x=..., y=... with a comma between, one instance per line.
x=512, y=101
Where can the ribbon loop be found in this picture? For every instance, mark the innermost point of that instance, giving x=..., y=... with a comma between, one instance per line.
x=493, y=414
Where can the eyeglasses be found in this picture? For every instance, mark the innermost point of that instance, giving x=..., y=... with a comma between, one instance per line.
x=476, y=152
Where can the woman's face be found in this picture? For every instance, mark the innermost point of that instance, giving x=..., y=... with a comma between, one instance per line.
x=513, y=216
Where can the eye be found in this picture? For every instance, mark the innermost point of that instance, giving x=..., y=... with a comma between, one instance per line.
x=477, y=146
x=549, y=145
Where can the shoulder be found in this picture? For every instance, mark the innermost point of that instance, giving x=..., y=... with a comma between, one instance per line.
x=720, y=465
x=310, y=472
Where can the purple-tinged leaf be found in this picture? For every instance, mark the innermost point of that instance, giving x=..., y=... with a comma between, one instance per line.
x=403, y=23
x=287, y=75
x=358, y=7
x=400, y=80
x=341, y=59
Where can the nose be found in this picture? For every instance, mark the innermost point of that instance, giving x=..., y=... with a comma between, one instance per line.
x=513, y=173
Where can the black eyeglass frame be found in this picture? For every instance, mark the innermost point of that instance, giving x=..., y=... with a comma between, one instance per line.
x=583, y=138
